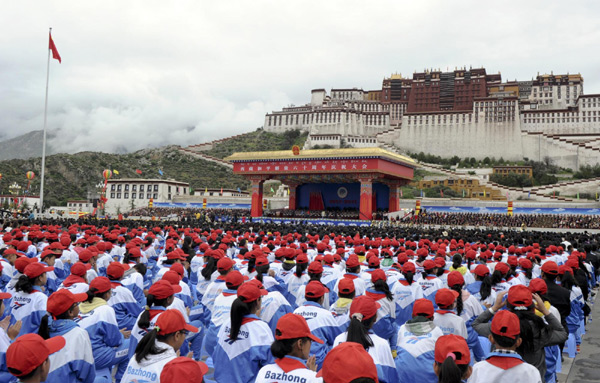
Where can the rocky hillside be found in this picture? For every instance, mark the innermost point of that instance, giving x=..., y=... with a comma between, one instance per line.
x=24, y=146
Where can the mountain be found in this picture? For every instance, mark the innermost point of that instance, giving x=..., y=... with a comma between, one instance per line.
x=24, y=146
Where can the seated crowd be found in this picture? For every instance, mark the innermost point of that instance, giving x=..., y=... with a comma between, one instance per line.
x=147, y=301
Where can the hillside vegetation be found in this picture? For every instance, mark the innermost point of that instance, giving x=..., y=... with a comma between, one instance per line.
x=71, y=176
x=259, y=141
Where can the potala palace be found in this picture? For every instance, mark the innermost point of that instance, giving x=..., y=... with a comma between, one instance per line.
x=465, y=112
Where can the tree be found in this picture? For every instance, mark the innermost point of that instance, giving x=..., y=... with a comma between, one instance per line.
x=132, y=205
x=6, y=205
x=486, y=161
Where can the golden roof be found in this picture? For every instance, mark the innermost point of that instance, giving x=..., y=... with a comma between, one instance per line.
x=322, y=153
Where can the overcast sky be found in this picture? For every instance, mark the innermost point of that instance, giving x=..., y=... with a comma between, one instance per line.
x=138, y=74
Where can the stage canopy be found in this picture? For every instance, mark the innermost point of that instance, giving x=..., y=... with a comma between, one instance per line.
x=363, y=178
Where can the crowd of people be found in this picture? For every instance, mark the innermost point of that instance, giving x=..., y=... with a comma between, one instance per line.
x=192, y=301
x=555, y=221
x=191, y=215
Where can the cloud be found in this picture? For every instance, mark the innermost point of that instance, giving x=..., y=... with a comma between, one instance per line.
x=147, y=73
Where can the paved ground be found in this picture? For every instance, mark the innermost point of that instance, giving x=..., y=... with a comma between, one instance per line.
x=585, y=368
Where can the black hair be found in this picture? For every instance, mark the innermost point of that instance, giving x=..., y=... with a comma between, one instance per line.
x=209, y=268
x=459, y=299
x=94, y=293
x=358, y=331
x=315, y=276
x=313, y=299
x=144, y=321
x=126, y=257
x=283, y=347
x=504, y=341
x=44, y=329
x=251, y=264
x=456, y=261
x=147, y=345
x=300, y=267
x=260, y=270
x=528, y=273
x=353, y=270
x=288, y=265
x=25, y=284
x=350, y=295
x=141, y=268
x=496, y=277
x=239, y=309
x=485, y=290
x=450, y=372
x=382, y=286
x=409, y=276
x=550, y=277
x=532, y=327
x=362, y=380
x=568, y=281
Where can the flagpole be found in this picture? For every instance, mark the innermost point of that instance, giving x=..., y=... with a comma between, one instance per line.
x=44, y=139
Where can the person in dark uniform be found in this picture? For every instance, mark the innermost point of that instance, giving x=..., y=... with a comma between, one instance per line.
x=558, y=296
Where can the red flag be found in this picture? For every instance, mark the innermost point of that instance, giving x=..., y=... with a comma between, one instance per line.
x=442, y=193
x=138, y=171
x=52, y=47
x=221, y=190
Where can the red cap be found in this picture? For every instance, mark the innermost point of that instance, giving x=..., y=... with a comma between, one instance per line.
x=184, y=369
x=80, y=269
x=249, y=292
x=502, y=267
x=261, y=261
x=115, y=270
x=525, y=263
x=163, y=289
x=352, y=261
x=178, y=268
x=409, y=267
x=171, y=321
x=62, y=300
x=550, y=267
x=429, y=265
x=175, y=255
x=481, y=270
x=562, y=269
x=101, y=284
x=346, y=362
x=315, y=268
x=538, y=286
x=292, y=326
x=346, y=286
x=374, y=261
x=364, y=305
x=520, y=296
x=29, y=351
x=512, y=260
x=234, y=278
x=454, y=346
x=315, y=289
x=506, y=323
x=172, y=277
x=378, y=275
x=85, y=255
x=423, y=306
x=301, y=258
x=23, y=262
x=572, y=263
x=445, y=297
x=329, y=259
x=225, y=264
x=35, y=269
x=5, y=295
x=135, y=252
x=455, y=278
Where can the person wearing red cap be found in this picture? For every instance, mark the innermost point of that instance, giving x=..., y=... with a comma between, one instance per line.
x=27, y=358
x=525, y=271
x=576, y=316
x=348, y=362
x=429, y=281
x=505, y=364
x=315, y=272
x=452, y=358
x=481, y=289
x=385, y=325
x=501, y=271
x=363, y=315
x=122, y=300
x=291, y=349
x=160, y=296
x=109, y=344
x=243, y=343
x=184, y=369
x=537, y=333
x=75, y=362
x=29, y=302
x=297, y=279
x=76, y=282
x=416, y=343
x=353, y=273
x=320, y=320
x=7, y=334
x=445, y=317
x=158, y=347
x=224, y=266
x=559, y=296
x=341, y=307
x=406, y=291
x=274, y=305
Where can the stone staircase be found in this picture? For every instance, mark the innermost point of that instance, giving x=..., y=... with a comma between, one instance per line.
x=206, y=157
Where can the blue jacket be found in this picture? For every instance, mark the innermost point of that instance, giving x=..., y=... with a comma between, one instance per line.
x=75, y=362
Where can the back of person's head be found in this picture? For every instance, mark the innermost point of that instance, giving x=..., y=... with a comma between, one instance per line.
x=248, y=300
x=184, y=369
x=506, y=329
x=29, y=353
x=348, y=362
x=363, y=314
x=291, y=332
x=423, y=308
x=520, y=301
x=452, y=358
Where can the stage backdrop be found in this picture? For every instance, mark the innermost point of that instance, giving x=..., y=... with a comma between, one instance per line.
x=343, y=196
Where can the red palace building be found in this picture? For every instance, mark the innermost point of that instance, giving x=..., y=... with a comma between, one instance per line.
x=364, y=179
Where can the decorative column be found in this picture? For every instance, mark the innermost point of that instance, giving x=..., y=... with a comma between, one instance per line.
x=366, y=197
x=292, y=195
x=394, y=202
x=257, y=196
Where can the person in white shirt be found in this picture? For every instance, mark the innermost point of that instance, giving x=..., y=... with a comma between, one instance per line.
x=445, y=317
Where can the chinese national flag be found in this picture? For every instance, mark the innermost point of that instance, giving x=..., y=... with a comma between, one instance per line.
x=52, y=47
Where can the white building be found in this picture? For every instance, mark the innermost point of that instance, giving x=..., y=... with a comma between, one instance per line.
x=30, y=201
x=127, y=194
